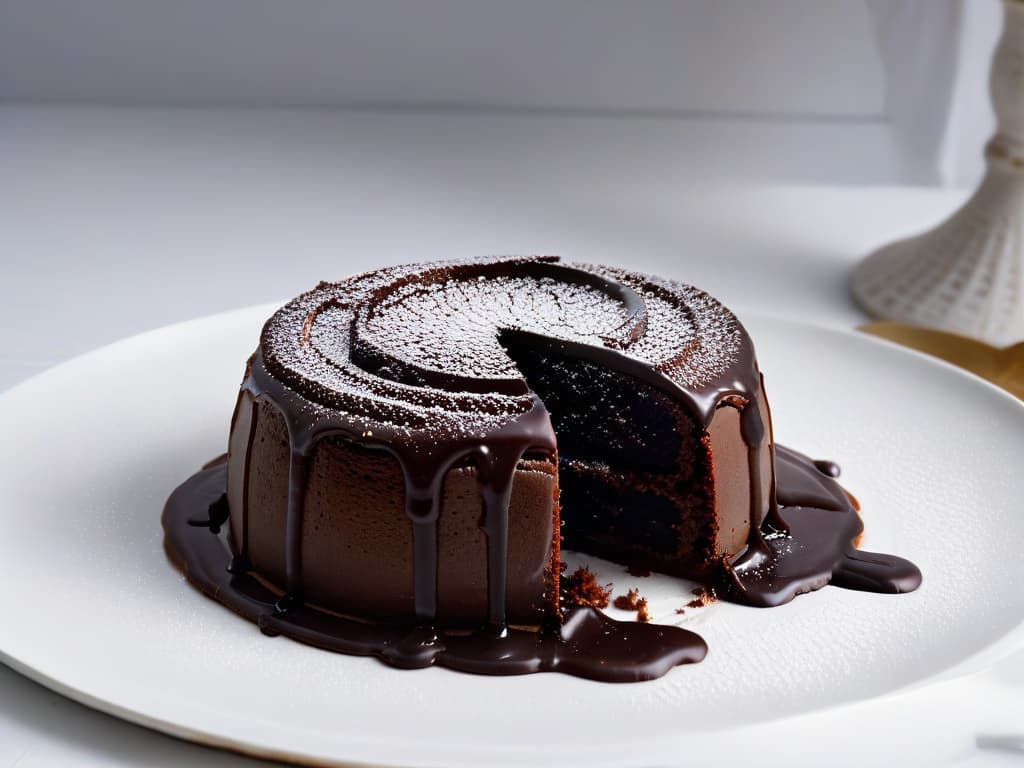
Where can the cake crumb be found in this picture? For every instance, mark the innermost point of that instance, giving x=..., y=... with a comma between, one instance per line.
x=631, y=601
x=628, y=601
x=702, y=597
x=639, y=571
x=642, y=614
x=581, y=588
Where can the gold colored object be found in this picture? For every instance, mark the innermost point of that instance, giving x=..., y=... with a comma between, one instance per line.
x=1003, y=366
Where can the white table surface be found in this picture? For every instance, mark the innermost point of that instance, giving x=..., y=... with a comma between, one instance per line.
x=113, y=222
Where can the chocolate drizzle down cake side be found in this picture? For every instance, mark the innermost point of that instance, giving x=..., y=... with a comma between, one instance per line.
x=412, y=446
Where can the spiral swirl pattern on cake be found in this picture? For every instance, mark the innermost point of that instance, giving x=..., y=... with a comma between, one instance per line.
x=405, y=347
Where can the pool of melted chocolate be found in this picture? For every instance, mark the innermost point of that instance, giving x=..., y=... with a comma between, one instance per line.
x=807, y=544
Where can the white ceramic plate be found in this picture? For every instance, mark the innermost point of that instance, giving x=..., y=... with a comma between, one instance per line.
x=90, y=450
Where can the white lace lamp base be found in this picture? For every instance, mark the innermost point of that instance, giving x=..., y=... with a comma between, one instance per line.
x=967, y=274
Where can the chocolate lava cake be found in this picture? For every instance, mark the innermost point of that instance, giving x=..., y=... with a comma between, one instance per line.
x=411, y=448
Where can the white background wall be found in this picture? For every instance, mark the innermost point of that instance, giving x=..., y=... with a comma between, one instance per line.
x=892, y=84
x=811, y=58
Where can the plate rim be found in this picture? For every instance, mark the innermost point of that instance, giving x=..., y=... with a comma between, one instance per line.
x=1009, y=642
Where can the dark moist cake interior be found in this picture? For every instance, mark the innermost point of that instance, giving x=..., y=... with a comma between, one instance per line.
x=634, y=470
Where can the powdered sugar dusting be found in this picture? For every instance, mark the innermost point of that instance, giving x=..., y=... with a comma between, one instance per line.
x=419, y=347
x=453, y=326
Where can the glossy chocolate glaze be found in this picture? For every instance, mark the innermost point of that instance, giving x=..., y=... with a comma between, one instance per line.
x=586, y=644
x=381, y=360
x=814, y=547
x=818, y=550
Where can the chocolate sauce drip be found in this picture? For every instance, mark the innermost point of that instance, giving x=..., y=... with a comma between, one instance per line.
x=424, y=464
x=829, y=468
x=822, y=524
x=495, y=472
x=875, y=572
x=298, y=469
x=369, y=355
x=243, y=553
x=424, y=476
x=432, y=403
x=588, y=644
x=216, y=515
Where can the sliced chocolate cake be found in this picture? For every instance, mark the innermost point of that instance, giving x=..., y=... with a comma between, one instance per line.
x=412, y=446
